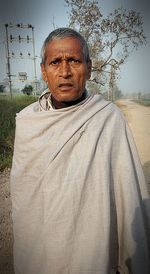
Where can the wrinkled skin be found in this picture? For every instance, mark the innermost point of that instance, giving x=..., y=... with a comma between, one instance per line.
x=65, y=70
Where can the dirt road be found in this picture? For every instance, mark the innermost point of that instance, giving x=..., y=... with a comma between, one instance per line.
x=6, y=235
x=138, y=118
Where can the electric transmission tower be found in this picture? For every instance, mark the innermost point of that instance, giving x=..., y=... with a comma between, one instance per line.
x=19, y=38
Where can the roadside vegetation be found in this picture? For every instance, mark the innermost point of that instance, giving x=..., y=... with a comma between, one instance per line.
x=8, y=109
x=144, y=102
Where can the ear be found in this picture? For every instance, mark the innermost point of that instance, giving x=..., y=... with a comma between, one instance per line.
x=43, y=71
x=89, y=69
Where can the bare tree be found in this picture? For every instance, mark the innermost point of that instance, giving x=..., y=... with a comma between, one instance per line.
x=111, y=40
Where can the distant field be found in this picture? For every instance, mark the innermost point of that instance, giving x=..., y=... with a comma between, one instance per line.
x=144, y=102
x=8, y=109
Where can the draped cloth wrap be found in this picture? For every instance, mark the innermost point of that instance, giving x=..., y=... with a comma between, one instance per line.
x=79, y=199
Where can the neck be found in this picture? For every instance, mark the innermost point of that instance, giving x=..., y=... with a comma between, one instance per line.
x=59, y=105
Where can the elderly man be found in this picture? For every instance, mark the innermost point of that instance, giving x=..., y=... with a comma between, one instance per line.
x=79, y=197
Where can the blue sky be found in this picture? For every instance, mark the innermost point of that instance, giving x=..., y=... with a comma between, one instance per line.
x=134, y=75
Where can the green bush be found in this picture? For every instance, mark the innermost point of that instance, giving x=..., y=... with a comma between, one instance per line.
x=28, y=89
x=8, y=109
x=144, y=102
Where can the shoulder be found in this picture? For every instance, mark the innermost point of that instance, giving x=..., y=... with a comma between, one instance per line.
x=34, y=107
x=108, y=106
x=111, y=116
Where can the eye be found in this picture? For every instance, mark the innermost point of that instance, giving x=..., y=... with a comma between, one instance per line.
x=74, y=61
x=55, y=62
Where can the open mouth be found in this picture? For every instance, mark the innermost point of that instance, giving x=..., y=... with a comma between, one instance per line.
x=65, y=86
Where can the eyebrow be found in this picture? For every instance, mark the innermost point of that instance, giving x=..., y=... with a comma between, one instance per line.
x=67, y=58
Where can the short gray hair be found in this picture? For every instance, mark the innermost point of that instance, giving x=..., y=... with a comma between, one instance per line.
x=63, y=33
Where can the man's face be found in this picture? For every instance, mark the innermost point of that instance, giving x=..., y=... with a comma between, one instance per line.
x=65, y=69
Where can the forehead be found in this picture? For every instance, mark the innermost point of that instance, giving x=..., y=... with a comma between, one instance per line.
x=67, y=46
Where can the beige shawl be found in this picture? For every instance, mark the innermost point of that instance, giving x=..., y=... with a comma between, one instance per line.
x=78, y=192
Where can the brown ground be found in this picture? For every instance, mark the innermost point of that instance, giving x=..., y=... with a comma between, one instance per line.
x=6, y=258
x=139, y=120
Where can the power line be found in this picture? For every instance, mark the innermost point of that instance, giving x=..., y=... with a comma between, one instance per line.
x=10, y=38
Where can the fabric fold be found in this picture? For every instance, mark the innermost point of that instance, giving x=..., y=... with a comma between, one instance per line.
x=75, y=176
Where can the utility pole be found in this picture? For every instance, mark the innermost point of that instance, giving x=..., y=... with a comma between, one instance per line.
x=8, y=61
x=34, y=59
x=19, y=39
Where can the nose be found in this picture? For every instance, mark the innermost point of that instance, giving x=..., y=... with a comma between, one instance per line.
x=65, y=70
